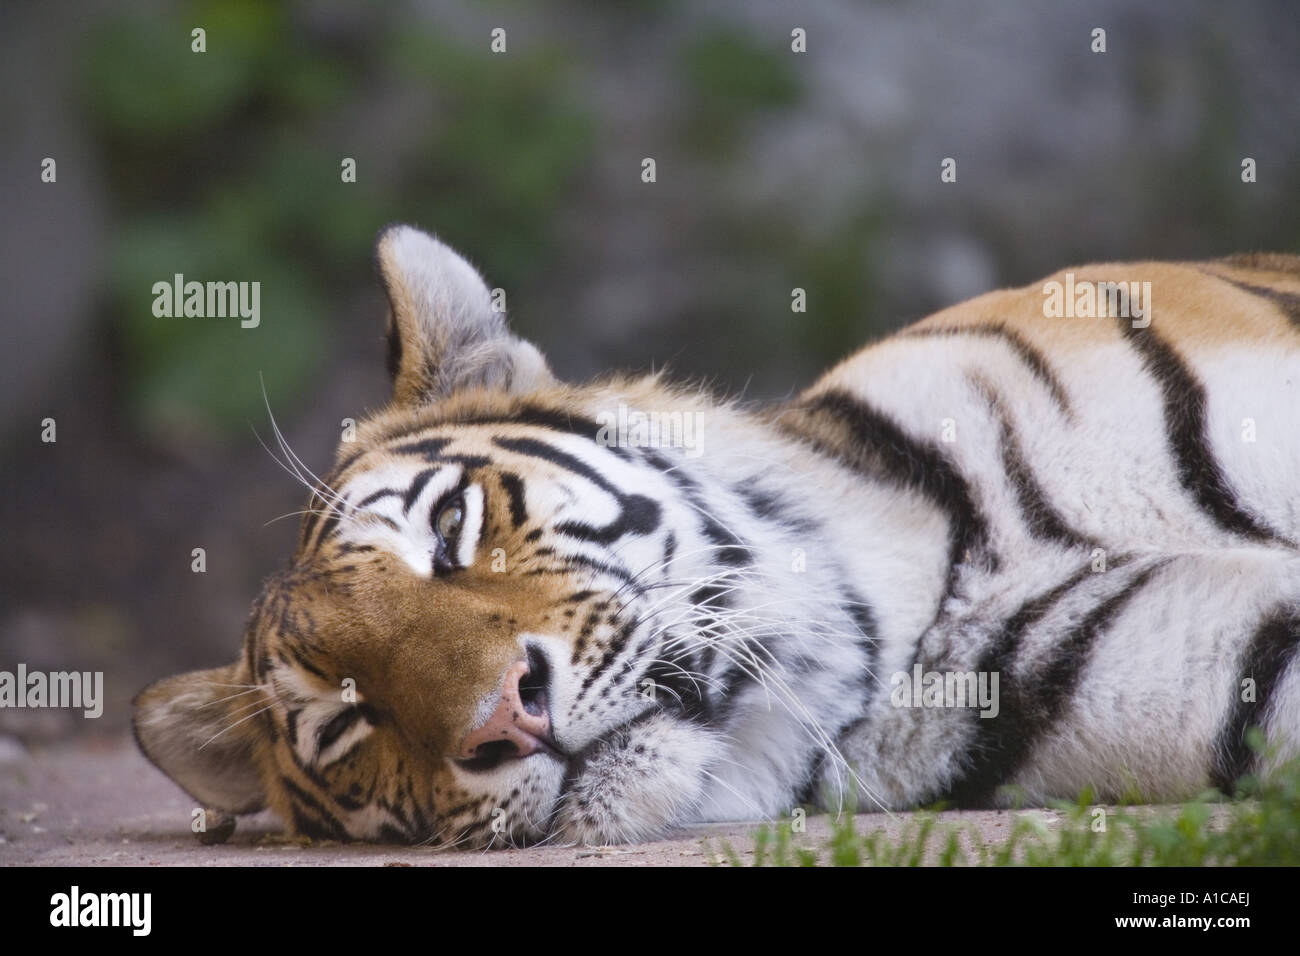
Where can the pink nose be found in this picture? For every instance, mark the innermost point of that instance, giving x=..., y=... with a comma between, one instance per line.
x=514, y=730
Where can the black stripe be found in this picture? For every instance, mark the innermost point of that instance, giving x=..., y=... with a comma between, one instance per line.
x=768, y=505
x=254, y=631
x=329, y=826
x=327, y=510
x=473, y=803
x=1271, y=651
x=1029, y=704
x=1184, y=402
x=336, y=727
x=344, y=464
x=347, y=802
x=808, y=795
x=417, y=486
x=749, y=657
x=809, y=791
x=1287, y=302
x=532, y=415
x=394, y=808
x=709, y=600
x=326, y=485
x=864, y=619
x=585, y=631
x=534, y=448
x=466, y=461
x=1286, y=263
x=471, y=831
x=539, y=416
x=1033, y=359
x=729, y=548
x=514, y=488
x=291, y=725
x=670, y=551
x=637, y=513
x=612, y=649
x=393, y=350
x=417, y=823
x=379, y=495
x=1041, y=517
x=264, y=665
x=305, y=826
x=295, y=630
x=425, y=447
x=883, y=450
x=713, y=596
x=573, y=562
x=685, y=693
x=350, y=548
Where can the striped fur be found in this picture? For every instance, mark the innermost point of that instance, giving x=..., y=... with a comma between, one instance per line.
x=1103, y=514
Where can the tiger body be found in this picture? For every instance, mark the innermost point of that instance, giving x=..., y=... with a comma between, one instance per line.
x=544, y=632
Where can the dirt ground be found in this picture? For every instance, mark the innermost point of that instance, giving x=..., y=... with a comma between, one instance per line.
x=100, y=803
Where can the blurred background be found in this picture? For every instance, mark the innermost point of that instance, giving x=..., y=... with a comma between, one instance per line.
x=775, y=170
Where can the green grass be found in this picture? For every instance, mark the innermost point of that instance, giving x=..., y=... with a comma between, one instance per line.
x=1259, y=828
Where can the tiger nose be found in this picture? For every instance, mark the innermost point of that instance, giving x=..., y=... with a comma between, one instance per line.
x=519, y=726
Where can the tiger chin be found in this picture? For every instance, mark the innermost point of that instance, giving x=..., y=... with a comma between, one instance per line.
x=525, y=611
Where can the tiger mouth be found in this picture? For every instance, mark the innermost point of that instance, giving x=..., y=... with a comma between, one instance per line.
x=493, y=755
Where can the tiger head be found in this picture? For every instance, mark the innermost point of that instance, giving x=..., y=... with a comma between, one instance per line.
x=502, y=623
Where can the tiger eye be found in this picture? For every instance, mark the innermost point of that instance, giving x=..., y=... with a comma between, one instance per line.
x=449, y=520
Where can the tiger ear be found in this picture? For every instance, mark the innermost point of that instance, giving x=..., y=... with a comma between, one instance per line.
x=443, y=333
x=195, y=728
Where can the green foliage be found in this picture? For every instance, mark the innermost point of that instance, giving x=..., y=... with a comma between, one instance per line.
x=839, y=273
x=144, y=81
x=203, y=373
x=729, y=78
x=227, y=167
x=504, y=138
x=836, y=269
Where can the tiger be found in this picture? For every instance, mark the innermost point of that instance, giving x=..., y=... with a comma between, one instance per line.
x=1013, y=553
